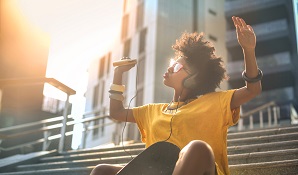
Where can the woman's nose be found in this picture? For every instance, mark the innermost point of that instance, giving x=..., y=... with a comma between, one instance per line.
x=170, y=69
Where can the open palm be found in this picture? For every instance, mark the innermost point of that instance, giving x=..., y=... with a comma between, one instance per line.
x=245, y=33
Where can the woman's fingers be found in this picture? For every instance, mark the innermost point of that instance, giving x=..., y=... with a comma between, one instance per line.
x=235, y=21
x=250, y=28
x=239, y=22
x=242, y=23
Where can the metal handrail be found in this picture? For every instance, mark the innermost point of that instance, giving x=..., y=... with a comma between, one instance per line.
x=91, y=112
x=24, y=133
x=247, y=114
x=48, y=128
x=42, y=140
x=260, y=110
x=27, y=125
x=40, y=80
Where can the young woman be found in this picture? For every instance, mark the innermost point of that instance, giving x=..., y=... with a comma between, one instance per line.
x=198, y=117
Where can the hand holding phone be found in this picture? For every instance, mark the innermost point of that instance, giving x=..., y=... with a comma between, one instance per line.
x=125, y=61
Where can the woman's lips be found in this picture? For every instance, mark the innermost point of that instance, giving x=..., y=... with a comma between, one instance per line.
x=166, y=75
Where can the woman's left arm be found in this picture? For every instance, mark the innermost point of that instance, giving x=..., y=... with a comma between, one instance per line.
x=247, y=40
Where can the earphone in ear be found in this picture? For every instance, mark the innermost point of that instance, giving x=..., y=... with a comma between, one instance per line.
x=190, y=81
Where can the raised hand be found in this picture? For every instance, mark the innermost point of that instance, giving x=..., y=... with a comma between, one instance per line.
x=245, y=33
x=124, y=68
x=125, y=64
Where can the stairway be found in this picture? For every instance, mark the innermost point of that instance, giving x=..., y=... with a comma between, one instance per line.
x=272, y=151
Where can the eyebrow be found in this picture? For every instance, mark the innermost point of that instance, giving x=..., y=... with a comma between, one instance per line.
x=184, y=66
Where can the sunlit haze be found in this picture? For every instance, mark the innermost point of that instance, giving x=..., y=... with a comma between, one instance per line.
x=79, y=32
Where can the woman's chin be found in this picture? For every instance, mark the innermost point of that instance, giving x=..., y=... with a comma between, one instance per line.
x=166, y=83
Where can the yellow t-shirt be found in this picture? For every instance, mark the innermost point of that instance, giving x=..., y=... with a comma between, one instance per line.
x=206, y=118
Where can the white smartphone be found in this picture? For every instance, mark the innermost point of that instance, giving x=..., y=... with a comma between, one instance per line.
x=124, y=62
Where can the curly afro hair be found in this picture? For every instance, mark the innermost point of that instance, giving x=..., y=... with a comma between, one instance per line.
x=202, y=60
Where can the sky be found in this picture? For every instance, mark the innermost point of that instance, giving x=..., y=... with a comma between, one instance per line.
x=79, y=31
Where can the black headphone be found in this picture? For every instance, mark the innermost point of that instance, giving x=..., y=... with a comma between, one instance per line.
x=190, y=81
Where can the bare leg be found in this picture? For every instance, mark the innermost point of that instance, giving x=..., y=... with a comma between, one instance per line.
x=196, y=158
x=105, y=169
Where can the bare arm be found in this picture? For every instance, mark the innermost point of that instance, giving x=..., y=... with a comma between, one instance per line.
x=247, y=40
x=117, y=111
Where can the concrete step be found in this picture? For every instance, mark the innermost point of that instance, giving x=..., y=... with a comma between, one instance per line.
x=75, y=163
x=57, y=171
x=267, y=151
x=93, y=155
x=281, y=145
x=231, y=150
x=231, y=136
x=263, y=132
x=7, y=164
x=288, y=167
x=263, y=139
x=118, y=147
x=81, y=160
x=285, y=167
x=267, y=156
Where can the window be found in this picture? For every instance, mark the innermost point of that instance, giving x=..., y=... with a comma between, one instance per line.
x=95, y=96
x=126, y=51
x=212, y=12
x=109, y=62
x=212, y=38
x=102, y=126
x=142, y=43
x=139, y=97
x=140, y=15
x=124, y=5
x=195, y=16
x=125, y=21
x=101, y=67
x=141, y=71
x=125, y=80
x=102, y=92
x=49, y=104
x=140, y=81
x=95, y=130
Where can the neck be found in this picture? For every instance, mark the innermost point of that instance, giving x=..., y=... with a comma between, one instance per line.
x=181, y=95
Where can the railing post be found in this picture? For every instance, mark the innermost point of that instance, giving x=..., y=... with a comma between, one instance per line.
x=269, y=116
x=63, y=129
x=240, y=124
x=261, y=119
x=117, y=134
x=251, y=122
x=0, y=144
x=278, y=112
x=47, y=142
x=85, y=133
x=275, y=115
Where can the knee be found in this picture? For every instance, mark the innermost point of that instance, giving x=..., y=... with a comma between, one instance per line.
x=196, y=156
x=199, y=147
x=102, y=169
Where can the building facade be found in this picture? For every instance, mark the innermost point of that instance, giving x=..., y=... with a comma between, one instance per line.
x=276, y=51
x=149, y=29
